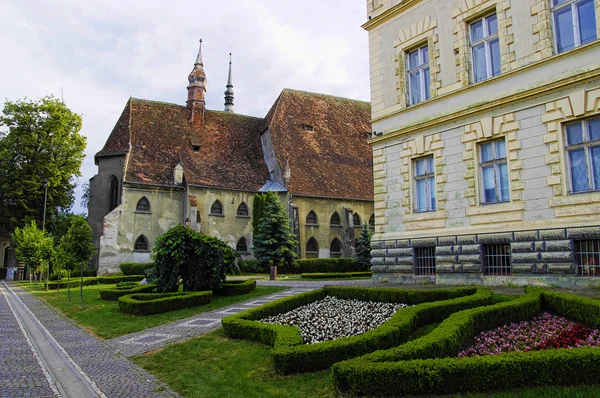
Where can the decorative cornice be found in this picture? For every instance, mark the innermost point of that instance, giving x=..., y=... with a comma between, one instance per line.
x=390, y=13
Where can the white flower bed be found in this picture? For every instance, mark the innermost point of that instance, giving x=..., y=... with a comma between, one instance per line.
x=333, y=318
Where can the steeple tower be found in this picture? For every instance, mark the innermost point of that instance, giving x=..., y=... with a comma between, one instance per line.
x=197, y=90
x=229, y=91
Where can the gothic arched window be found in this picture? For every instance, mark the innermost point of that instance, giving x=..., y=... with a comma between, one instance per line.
x=242, y=210
x=216, y=209
x=241, y=246
x=113, y=192
x=311, y=218
x=356, y=220
x=312, y=248
x=335, y=249
x=335, y=220
x=141, y=244
x=372, y=221
x=143, y=205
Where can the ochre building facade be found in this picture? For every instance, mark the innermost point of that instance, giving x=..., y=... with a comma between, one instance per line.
x=486, y=144
x=167, y=164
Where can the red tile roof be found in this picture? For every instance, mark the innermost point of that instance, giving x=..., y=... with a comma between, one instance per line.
x=334, y=160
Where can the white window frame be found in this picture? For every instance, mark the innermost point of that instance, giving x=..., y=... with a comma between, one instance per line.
x=487, y=38
x=585, y=145
x=575, y=19
x=495, y=162
x=424, y=92
x=430, y=191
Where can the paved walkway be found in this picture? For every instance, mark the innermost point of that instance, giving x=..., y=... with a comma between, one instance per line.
x=46, y=355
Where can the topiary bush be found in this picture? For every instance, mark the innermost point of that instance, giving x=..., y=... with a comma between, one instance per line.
x=141, y=304
x=429, y=365
x=290, y=355
x=114, y=293
x=135, y=268
x=235, y=288
x=201, y=261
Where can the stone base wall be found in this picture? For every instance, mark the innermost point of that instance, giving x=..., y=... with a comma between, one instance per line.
x=538, y=258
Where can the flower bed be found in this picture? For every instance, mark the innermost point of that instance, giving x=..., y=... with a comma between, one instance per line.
x=429, y=365
x=290, y=355
x=543, y=332
x=333, y=318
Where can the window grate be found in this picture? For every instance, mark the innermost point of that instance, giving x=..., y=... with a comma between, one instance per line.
x=496, y=260
x=587, y=256
x=425, y=260
x=141, y=244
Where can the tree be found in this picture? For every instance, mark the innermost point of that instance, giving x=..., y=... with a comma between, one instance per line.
x=77, y=249
x=273, y=241
x=34, y=247
x=201, y=261
x=41, y=146
x=363, y=248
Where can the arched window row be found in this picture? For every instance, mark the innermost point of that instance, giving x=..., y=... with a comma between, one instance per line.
x=356, y=220
x=335, y=220
x=143, y=205
x=242, y=210
x=312, y=219
x=216, y=209
x=141, y=244
x=312, y=248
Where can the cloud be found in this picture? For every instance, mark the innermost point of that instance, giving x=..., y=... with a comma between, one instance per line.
x=101, y=52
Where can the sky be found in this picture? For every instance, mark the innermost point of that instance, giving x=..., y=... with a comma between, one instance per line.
x=96, y=54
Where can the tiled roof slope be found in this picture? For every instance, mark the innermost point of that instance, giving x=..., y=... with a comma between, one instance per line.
x=230, y=154
x=118, y=140
x=334, y=160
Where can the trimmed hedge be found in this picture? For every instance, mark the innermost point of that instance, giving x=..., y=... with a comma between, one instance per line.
x=236, y=288
x=115, y=293
x=419, y=367
x=309, y=265
x=141, y=304
x=135, y=268
x=290, y=355
x=99, y=280
x=335, y=275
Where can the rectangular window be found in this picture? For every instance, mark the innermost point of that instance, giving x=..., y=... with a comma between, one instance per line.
x=494, y=171
x=425, y=260
x=574, y=23
x=418, y=75
x=485, y=47
x=496, y=260
x=583, y=153
x=424, y=184
x=587, y=256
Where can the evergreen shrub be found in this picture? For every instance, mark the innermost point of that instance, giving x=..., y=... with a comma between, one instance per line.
x=135, y=268
x=99, y=280
x=309, y=265
x=335, y=275
x=290, y=355
x=235, y=288
x=429, y=365
x=114, y=293
x=141, y=304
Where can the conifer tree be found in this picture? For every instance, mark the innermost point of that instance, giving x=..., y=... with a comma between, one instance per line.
x=363, y=248
x=273, y=241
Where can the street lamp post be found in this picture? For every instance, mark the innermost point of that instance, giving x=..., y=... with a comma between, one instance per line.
x=44, y=228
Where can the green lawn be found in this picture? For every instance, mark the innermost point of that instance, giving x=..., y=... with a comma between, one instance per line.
x=216, y=366
x=104, y=319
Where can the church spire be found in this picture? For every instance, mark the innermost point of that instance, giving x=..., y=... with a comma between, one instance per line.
x=197, y=89
x=229, y=91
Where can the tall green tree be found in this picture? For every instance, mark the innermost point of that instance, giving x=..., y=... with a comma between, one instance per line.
x=40, y=144
x=34, y=247
x=363, y=248
x=76, y=249
x=273, y=242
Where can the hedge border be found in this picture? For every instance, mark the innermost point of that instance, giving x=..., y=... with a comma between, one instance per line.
x=114, y=294
x=323, y=265
x=236, y=288
x=129, y=268
x=95, y=280
x=334, y=275
x=290, y=355
x=141, y=304
x=424, y=366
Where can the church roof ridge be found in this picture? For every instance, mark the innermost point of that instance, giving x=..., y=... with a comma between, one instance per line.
x=315, y=94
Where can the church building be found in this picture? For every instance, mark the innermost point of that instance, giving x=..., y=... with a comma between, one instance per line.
x=165, y=164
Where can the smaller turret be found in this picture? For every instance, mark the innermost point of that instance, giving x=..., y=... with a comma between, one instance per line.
x=229, y=91
x=197, y=90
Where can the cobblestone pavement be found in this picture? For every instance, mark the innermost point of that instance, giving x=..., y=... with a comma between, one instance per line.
x=184, y=329
x=113, y=375
x=22, y=372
